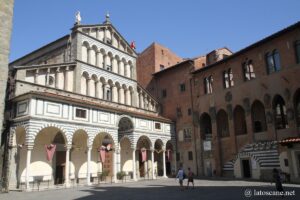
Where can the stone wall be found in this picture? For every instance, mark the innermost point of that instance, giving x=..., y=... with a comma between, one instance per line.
x=6, y=15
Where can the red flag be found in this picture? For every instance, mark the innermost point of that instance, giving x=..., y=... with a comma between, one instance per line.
x=50, y=149
x=169, y=155
x=144, y=154
x=132, y=45
x=102, y=153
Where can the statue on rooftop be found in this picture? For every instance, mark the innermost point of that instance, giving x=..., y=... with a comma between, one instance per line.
x=77, y=18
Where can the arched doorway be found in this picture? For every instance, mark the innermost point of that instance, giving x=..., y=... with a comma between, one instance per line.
x=170, y=159
x=102, y=157
x=43, y=167
x=78, y=157
x=125, y=157
x=143, y=147
x=205, y=126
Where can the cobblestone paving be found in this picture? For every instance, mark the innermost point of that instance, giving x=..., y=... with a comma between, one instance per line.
x=161, y=189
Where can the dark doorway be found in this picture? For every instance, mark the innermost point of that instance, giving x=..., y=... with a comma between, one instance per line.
x=246, y=168
x=168, y=168
x=142, y=169
x=60, y=167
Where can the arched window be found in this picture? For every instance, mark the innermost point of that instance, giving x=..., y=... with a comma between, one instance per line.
x=258, y=117
x=248, y=70
x=240, y=126
x=222, y=124
x=228, y=78
x=279, y=110
x=208, y=85
x=108, y=94
x=205, y=126
x=273, y=61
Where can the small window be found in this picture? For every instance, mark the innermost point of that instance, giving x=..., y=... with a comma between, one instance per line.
x=178, y=112
x=273, y=61
x=190, y=155
x=161, y=67
x=208, y=85
x=248, y=70
x=228, y=78
x=164, y=93
x=297, y=50
x=182, y=87
x=80, y=113
x=189, y=112
x=178, y=156
x=157, y=125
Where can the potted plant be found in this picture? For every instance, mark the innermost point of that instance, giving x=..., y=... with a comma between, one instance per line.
x=120, y=175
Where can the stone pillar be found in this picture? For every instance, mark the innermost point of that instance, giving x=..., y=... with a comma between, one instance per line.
x=135, y=99
x=115, y=167
x=121, y=95
x=99, y=59
x=88, y=175
x=97, y=33
x=141, y=97
x=99, y=92
x=36, y=76
x=114, y=94
x=127, y=97
x=115, y=65
x=152, y=163
x=121, y=68
x=133, y=165
x=28, y=161
x=89, y=56
x=6, y=13
x=105, y=36
x=57, y=81
x=88, y=86
x=67, y=169
x=66, y=79
x=128, y=71
x=164, y=163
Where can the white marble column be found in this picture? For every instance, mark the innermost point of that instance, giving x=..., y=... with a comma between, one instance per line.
x=141, y=97
x=152, y=163
x=57, y=78
x=121, y=68
x=88, y=175
x=115, y=65
x=89, y=86
x=164, y=163
x=67, y=169
x=89, y=56
x=28, y=161
x=133, y=165
x=114, y=94
x=36, y=76
x=66, y=79
x=128, y=71
x=127, y=97
x=99, y=89
x=121, y=95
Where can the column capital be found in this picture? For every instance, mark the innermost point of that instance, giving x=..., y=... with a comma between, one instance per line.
x=29, y=146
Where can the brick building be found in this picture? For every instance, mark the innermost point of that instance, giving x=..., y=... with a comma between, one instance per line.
x=234, y=111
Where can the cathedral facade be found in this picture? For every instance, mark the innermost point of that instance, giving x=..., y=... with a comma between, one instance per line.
x=79, y=116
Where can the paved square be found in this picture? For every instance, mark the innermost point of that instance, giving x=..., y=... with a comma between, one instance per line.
x=157, y=190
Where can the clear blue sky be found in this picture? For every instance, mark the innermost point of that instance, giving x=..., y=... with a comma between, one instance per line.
x=189, y=27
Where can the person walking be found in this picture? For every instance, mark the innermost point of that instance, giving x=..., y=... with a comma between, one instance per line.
x=277, y=179
x=190, y=178
x=180, y=176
